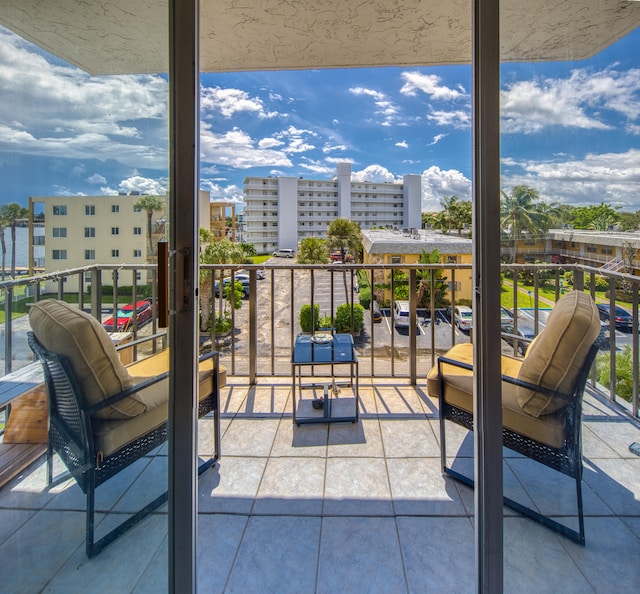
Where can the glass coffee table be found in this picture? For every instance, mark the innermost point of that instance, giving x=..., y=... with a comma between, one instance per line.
x=324, y=349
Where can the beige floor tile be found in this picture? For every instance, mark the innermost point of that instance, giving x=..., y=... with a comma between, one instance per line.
x=362, y=439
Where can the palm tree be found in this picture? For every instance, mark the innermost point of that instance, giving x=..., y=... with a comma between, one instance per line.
x=313, y=250
x=456, y=213
x=521, y=211
x=9, y=215
x=344, y=235
x=150, y=204
x=223, y=251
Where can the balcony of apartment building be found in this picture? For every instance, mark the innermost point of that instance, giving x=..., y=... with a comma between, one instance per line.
x=311, y=496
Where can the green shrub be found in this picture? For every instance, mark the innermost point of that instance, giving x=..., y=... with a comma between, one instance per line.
x=223, y=324
x=324, y=323
x=365, y=297
x=624, y=372
x=343, y=318
x=306, y=323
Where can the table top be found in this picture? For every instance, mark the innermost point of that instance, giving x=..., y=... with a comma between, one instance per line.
x=339, y=349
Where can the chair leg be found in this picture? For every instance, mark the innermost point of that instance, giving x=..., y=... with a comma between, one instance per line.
x=443, y=441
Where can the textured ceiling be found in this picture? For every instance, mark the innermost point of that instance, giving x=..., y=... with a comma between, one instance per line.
x=130, y=36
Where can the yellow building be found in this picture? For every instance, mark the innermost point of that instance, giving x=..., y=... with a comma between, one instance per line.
x=88, y=230
x=382, y=246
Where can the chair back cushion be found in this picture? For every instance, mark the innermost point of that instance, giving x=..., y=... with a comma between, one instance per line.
x=67, y=330
x=555, y=358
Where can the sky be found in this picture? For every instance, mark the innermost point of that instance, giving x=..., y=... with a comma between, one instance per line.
x=570, y=130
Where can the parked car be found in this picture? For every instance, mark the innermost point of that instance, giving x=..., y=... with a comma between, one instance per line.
x=506, y=317
x=463, y=317
x=510, y=336
x=243, y=279
x=284, y=253
x=401, y=314
x=621, y=317
x=125, y=316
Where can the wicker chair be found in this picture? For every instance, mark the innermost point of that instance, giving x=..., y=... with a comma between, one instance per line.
x=541, y=398
x=94, y=444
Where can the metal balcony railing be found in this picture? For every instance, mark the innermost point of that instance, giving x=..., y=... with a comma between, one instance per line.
x=263, y=326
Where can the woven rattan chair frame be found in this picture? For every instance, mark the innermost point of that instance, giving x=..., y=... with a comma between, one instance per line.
x=71, y=437
x=566, y=459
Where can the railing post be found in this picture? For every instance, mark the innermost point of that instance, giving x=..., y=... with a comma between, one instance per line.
x=253, y=326
x=8, y=332
x=413, y=322
x=96, y=293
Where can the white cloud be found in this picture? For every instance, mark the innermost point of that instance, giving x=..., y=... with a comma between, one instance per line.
x=430, y=84
x=230, y=193
x=96, y=178
x=144, y=185
x=66, y=113
x=337, y=147
x=335, y=160
x=228, y=102
x=585, y=100
x=437, y=183
x=402, y=144
x=610, y=177
x=317, y=167
x=373, y=173
x=437, y=138
x=458, y=118
x=267, y=143
x=386, y=110
x=295, y=140
x=236, y=148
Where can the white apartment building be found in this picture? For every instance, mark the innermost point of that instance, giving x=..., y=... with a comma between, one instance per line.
x=280, y=211
x=86, y=230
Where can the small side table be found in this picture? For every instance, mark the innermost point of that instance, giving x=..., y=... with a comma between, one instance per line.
x=324, y=350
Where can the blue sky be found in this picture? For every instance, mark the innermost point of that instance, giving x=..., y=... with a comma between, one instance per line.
x=571, y=130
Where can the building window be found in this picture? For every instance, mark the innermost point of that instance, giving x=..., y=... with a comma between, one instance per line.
x=137, y=230
x=115, y=208
x=89, y=254
x=115, y=253
x=396, y=260
x=59, y=254
x=137, y=253
x=137, y=209
x=89, y=210
x=592, y=248
x=59, y=210
x=115, y=230
x=59, y=231
x=89, y=231
x=606, y=250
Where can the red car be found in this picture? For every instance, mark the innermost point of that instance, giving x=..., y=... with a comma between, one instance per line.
x=124, y=315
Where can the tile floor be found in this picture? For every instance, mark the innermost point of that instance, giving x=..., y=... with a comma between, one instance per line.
x=342, y=508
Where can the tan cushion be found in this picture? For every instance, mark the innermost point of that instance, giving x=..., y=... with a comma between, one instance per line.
x=68, y=331
x=548, y=429
x=555, y=358
x=111, y=435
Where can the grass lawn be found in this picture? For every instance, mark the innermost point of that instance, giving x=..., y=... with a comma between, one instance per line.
x=261, y=259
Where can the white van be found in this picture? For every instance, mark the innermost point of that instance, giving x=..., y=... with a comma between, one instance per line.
x=401, y=314
x=284, y=253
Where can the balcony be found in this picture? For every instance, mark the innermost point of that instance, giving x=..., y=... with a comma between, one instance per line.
x=342, y=507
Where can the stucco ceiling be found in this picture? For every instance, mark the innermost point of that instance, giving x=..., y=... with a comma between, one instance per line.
x=130, y=36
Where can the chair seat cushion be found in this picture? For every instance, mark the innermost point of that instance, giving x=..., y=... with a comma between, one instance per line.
x=67, y=330
x=110, y=436
x=556, y=357
x=458, y=391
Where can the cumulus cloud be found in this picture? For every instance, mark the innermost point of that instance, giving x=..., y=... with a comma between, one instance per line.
x=373, y=173
x=585, y=100
x=609, y=177
x=228, y=102
x=66, y=113
x=236, y=148
x=96, y=178
x=438, y=183
x=458, y=118
x=431, y=85
x=317, y=167
x=386, y=111
x=295, y=140
x=138, y=183
x=402, y=144
x=231, y=193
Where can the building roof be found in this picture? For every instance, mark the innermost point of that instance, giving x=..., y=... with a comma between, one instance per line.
x=131, y=36
x=383, y=241
x=608, y=238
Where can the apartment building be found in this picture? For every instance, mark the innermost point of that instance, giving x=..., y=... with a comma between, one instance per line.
x=86, y=230
x=613, y=249
x=281, y=211
x=406, y=247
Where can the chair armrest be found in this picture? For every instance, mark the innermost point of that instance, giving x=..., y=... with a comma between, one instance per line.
x=126, y=393
x=506, y=378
